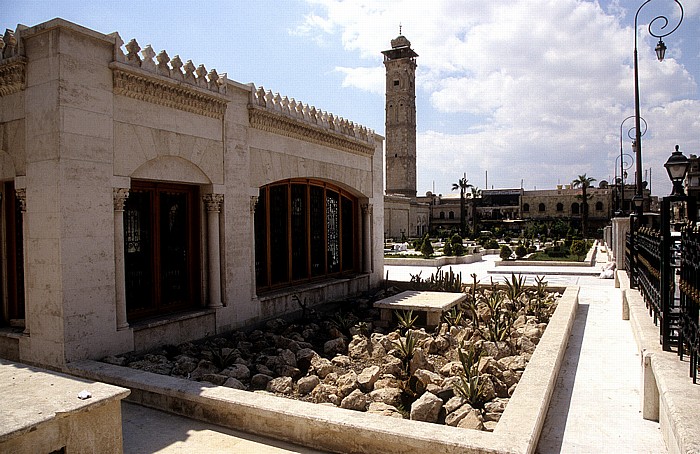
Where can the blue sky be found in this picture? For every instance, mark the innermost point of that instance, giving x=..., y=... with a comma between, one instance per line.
x=530, y=91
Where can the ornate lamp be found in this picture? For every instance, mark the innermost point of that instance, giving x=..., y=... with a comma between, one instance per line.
x=677, y=167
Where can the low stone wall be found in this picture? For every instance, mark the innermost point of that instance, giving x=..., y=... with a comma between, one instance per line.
x=438, y=261
x=338, y=430
x=41, y=412
x=668, y=393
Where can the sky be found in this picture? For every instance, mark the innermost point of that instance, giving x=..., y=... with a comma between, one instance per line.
x=512, y=93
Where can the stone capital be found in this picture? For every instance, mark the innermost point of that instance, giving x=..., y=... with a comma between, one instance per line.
x=21, y=195
x=367, y=208
x=253, y=203
x=213, y=202
x=120, y=195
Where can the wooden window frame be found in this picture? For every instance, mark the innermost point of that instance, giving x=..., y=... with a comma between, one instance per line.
x=309, y=276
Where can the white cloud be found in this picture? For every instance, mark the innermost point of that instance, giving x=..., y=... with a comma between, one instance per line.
x=543, y=84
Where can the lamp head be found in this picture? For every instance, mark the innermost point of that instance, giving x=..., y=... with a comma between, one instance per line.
x=660, y=50
x=677, y=167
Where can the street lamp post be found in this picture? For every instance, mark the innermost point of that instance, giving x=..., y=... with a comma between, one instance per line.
x=660, y=52
x=621, y=157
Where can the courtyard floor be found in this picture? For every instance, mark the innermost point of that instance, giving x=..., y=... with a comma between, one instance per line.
x=595, y=407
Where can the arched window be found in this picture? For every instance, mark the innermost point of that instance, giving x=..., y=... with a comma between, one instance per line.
x=304, y=229
x=526, y=208
x=452, y=215
x=442, y=215
x=560, y=207
x=599, y=206
x=574, y=208
x=541, y=208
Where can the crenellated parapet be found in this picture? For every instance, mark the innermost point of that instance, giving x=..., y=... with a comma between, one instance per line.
x=167, y=81
x=288, y=117
x=13, y=65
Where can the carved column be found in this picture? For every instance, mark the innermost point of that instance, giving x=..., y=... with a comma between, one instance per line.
x=120, y=196
x=21, y=195
x=367, y=237
x=213, y=203
x=253, y=286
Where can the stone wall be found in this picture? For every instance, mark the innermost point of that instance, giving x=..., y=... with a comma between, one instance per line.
x=82, y=116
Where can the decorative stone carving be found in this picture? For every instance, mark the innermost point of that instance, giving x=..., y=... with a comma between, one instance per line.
x=13, y=66
x=156, y=91
x=253, y=203
x=21, y=195
x=120, y=196
x=196, y=76
x=367, y=208
x=279, y=115
x=162, y=66
x=132, y=55
x=213, y=202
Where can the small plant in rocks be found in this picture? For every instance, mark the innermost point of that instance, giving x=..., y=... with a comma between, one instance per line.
x=406, y=320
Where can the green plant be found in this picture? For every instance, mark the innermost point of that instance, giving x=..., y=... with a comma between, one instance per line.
x=457, y=246
x=497, y=326
x=515, y=287
x=453, y=317
x=578, y=248
x=506, y=252
x=472, y=301
x=406, y=349
x=221, y=360
x=447, y=249
x=520, y=251
x=427, y=248
x=302, y=304
x=362, y=328
x=406, y=320
x=343, y=322
x=470, y=385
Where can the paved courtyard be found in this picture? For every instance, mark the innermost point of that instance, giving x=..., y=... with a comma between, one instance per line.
x=595, y=407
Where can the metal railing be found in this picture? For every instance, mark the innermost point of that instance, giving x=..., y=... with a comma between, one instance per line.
x=665, y=267
x=689, y=286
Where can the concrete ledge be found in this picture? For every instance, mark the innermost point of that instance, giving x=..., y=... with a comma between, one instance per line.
x=438, y=261
x=668, y=394
x=338, y=430
x=41, y=412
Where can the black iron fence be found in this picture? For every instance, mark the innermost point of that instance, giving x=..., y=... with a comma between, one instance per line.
x=689, y=286
x=665, y=266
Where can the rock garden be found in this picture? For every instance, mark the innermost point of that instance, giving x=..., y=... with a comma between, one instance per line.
x=462, y=373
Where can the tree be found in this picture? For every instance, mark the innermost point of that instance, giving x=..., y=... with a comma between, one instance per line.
x=457, y=246
x=578, y=248
x=584, y=183
x=427, y=248
x=462, y=185
x=506, y=252
x=520, y=251
x=476, y=194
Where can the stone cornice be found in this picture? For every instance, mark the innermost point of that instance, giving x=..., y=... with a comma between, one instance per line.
x=277, y=123
x=146, y=86
x=13, y=75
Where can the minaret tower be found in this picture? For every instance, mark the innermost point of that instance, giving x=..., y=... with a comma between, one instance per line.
x=400, y=63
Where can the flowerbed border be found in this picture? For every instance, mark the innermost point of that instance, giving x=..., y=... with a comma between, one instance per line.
x=339, y=430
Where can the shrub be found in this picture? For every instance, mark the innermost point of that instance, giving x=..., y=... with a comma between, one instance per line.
x=506, y=252
x=491, y=244
x=520, y=251
x=578, y=248
x=427, y=248
x=457, y=247
x=447, y=250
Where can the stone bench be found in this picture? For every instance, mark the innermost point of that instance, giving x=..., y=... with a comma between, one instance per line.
x=434, y=304
x=42, y=413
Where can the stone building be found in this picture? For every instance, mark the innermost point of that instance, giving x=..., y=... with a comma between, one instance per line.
x=147, y=201
x=564, y=203
x=404, y=215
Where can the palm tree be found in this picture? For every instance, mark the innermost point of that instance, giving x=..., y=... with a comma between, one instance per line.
x=462, y=185
x=584, y=183
x=476, y=194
